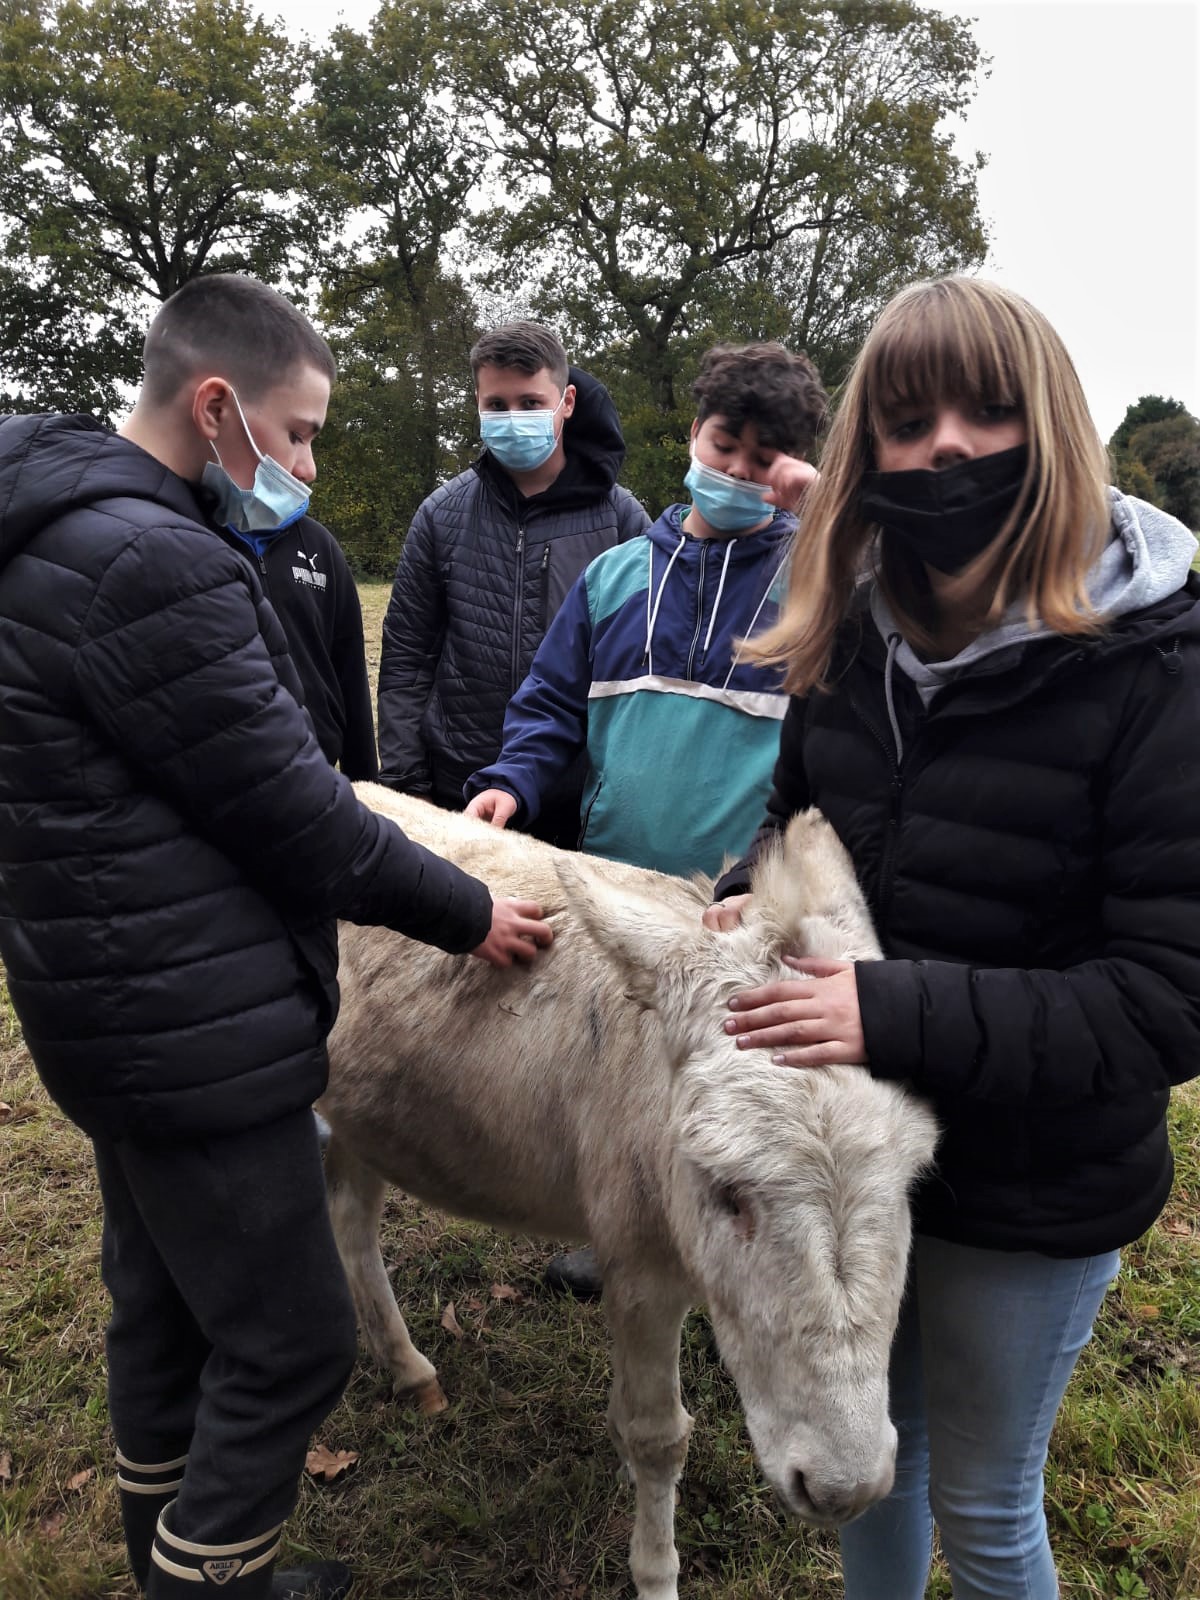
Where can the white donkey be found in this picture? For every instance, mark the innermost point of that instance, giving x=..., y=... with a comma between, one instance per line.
x=595, y=1096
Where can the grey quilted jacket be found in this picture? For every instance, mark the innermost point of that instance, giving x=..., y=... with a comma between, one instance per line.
x=480, y=578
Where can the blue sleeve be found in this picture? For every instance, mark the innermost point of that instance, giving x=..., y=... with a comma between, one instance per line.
x=545, y=726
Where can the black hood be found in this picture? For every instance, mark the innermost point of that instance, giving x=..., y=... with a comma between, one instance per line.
x=51, y=465
x=594, y=446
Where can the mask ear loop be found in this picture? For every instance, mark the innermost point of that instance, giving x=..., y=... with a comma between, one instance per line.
x=245, y=425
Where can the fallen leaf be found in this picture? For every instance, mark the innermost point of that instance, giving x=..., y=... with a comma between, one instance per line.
x=505, y=1291
x=78, y=1480
x=52, y=1526
x=450, y=1322
x=1177, y=1226
x=1148, y=1312
x=5, y=1466
x=18, y=1113
x=322, y=1462
x=473, y=1303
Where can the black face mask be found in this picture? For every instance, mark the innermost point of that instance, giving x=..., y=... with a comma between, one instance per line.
x=947, y=518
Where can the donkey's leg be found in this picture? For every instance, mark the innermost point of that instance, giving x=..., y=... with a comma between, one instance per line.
x=356, y=1195
x=647, y=1422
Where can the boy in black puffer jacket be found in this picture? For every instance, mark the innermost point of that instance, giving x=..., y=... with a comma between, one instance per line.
x=174, y=851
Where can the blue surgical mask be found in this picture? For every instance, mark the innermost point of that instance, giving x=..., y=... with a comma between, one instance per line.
x=276, y=500
x=520, y=440
x=729, y=504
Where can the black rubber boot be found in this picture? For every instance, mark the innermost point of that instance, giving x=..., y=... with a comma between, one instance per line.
x=577, y=1272
x=183, y=1570
x=145, y=1491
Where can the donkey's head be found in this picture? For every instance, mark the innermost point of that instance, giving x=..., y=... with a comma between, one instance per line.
x=789, y=1196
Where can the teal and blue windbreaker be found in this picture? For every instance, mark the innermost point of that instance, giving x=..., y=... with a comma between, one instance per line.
x=639, y=668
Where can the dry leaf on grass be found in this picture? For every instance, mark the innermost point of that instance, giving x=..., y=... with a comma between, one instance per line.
x=505, y=1291
x=1147, y=1312
x=450, y=1322
x=321, y=1462
x=5, y=1466
x=18, y=1113
x=80, y=1478
x=52, y=1526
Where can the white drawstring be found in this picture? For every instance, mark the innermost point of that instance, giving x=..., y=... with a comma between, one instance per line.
x=737, y=654
x=652, y=615
x=894, y=643
x=712, y=621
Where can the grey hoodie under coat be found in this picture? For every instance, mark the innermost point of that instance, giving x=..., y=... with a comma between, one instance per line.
x=174, y=847
x=1023, y=819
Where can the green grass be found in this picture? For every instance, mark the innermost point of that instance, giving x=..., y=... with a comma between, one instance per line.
x=513, y=1491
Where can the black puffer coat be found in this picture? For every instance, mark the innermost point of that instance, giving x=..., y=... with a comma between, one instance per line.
x=310, y=586
x=1033, y=866
x=173, y=845
x=481, y=576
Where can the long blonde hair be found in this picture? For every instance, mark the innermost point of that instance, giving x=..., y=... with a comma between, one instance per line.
x=951, y=339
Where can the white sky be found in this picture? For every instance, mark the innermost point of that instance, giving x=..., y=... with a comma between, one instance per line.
x=1092, y=189
x=1091, y=193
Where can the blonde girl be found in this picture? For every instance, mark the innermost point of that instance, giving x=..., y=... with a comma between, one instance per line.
x=994, y=662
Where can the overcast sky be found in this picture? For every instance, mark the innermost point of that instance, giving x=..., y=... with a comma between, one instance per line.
x=1092, y=188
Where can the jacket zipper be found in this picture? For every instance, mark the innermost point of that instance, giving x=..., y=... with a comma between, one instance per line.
x=517, y=605
x=545, y=590
x=891, y=837
x=699, y=611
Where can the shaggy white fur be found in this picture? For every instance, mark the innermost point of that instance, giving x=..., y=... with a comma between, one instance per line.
x=595, y=1096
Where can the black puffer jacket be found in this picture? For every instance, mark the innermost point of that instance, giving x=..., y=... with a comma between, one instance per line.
x=173, y=845
x=481, y=576
x=1033, y=866
x=306, y=578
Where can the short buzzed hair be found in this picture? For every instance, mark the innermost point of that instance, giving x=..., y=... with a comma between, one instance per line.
x=527, y=346
x=776, y=389
x=234, y=327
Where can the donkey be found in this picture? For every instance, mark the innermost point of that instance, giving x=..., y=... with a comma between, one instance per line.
x=595, y=1096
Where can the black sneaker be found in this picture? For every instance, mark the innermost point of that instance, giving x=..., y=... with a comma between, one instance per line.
x=576, y=1272
x=321, y=1580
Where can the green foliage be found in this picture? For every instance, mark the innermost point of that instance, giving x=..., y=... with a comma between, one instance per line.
x=402, y=417
x=144, y=142
x=676, y=174
x=1156, y=452
x=1149, y=408
x=648, y=177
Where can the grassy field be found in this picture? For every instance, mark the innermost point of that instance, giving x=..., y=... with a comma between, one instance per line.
x=512, y=1491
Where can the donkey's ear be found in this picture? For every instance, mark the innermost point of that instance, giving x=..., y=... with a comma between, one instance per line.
x=648, y=940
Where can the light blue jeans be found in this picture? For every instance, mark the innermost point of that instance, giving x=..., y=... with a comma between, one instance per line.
x=986, y=1343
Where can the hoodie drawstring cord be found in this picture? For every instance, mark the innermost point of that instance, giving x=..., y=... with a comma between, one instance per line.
x=893, y=645
x=766, y=595
x=712, y=621
x=652, y=615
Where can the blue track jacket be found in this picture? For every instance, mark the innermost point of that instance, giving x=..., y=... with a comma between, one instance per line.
x=639, y=666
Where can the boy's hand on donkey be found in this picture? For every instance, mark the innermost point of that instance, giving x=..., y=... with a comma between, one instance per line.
x=518, y=933
x=493, y=805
